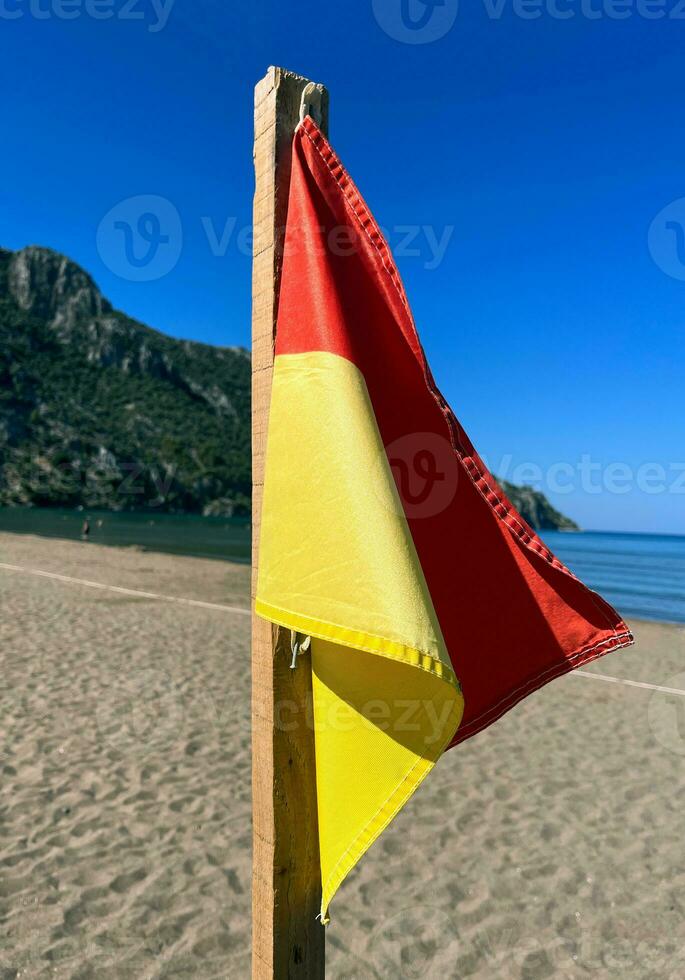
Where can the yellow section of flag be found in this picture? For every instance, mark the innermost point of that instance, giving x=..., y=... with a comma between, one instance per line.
x=337, y=561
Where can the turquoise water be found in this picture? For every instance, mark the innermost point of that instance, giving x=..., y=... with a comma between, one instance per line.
x=641, y=575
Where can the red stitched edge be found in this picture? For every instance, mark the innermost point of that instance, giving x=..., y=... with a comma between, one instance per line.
x=579, y=659
x=481, y=478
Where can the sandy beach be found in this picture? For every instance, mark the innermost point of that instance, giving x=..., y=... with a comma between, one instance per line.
x=556, y=837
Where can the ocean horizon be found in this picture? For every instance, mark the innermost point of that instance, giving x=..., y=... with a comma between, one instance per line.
x=641, y=574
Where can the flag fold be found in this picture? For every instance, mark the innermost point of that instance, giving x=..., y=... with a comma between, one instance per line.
x=432, y=606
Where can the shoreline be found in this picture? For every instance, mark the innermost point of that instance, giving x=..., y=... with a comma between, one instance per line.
x=245, y=562
x=126, y=835
x=141, y=549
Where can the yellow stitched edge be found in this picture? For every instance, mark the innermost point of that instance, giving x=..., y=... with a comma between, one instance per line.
x=387, y=811
x=392, y=651
x=357, y=640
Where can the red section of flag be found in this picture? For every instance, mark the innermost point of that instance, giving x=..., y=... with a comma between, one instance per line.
x=513, y=617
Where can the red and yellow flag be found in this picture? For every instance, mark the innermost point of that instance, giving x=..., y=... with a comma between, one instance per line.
x=432, y=606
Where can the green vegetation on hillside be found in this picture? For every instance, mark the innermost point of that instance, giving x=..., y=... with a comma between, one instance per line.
x=536, y=509
x=100, y=411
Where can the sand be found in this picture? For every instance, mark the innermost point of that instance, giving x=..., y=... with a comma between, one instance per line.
x=549, y=846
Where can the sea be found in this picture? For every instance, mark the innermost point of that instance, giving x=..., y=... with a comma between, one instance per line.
x=226, y=538
x=642, y=575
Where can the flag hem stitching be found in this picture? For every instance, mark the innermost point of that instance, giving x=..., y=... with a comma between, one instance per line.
x=469, y=459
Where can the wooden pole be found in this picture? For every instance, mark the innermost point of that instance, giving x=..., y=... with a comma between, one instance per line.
x=287, y=939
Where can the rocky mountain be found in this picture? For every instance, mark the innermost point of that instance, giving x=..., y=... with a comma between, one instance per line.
x=536, y=509
x=99, y=410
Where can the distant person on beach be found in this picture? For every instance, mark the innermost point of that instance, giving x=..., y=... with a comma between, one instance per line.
x=85, y=530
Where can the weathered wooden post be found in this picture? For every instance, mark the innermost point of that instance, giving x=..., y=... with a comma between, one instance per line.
x=287, y=939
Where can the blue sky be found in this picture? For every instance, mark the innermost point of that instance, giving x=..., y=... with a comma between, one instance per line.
x=531, y=156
